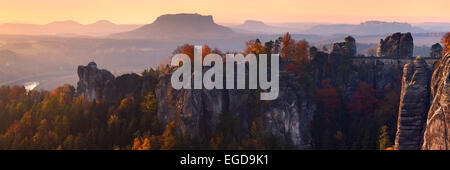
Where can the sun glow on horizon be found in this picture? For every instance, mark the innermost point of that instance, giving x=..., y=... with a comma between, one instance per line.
x=231, y=11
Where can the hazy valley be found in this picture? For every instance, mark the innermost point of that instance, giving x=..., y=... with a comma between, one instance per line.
x=50, y=53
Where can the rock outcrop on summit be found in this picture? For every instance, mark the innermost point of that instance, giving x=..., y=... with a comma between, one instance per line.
x=397, y=45
x=100, y=84
x=92, y=81
x=414, y=103
x=436, y=51
x=348, y=47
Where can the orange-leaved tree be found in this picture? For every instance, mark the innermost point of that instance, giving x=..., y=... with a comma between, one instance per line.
x=446, y=41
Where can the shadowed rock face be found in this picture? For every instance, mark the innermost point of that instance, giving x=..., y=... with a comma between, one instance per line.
x=289, y=115
x=348, y=47
x=414, y=104
x=436, y=133
x=397, y=45
x=100, y=84
x=436, y=51
x=193, y=110
x=199, y=111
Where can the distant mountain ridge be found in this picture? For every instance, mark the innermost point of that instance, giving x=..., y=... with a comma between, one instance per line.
x=196, y=26
x=434, y=26
x=259, y=27
x=253, y=26
x=365, y=28
x=66, y=28
x=173, y=26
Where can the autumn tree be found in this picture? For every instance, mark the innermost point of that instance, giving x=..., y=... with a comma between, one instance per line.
x=301, y=52
x=141, y=143
x=206, y=50
x=364, y=100
x=187, y=49
x=149, y=107
x=446, y=41
x=168, y=137
x=254, y=46
x=325, y=126
x=288, y=46
x=361, y=114
x=383, y=138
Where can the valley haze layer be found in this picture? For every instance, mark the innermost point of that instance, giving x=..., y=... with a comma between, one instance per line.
x=49, y=53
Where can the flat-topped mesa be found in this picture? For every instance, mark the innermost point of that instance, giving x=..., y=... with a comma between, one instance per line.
x=414, y=104
x=179, y=26
x=184, y=19
x=397, y=45
x=436, y=51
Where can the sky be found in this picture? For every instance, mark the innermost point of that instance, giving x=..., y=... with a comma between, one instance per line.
x=225, y=11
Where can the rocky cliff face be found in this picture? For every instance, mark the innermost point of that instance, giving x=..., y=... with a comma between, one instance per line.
x=436, y=51
x=290, y=114
x=100, y=84
x=397, y=45
x=199, y=111
x=437, y=128
x=92, y=81
x=190, y=109
x=348, y=47
x=414, y=103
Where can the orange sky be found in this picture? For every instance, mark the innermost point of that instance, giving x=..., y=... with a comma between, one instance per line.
x=225, y=11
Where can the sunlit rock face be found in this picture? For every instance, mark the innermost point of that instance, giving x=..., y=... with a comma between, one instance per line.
x=423, y=115
x=438, y=122
x=414, y=104
x=92, y=81
x=397, y=45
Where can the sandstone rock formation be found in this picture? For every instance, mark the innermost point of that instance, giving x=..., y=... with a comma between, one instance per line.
x=100, y=84
x=289, y=115
x=437, y=128
x=414, y=104
x=92, y=81
x=397, y=45
x=192, y=110
x=351, y=45
x=199, y=111
x=436, y=51
x=348, y=47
